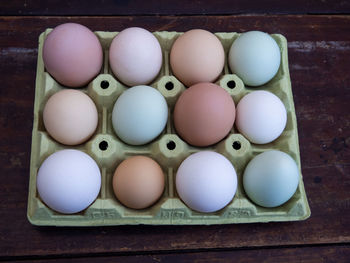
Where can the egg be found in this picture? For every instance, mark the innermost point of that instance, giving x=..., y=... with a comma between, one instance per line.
x=271, y=178
x=204, y=114
x=68, y=181
x=206, y=181
x=70, y=117
x=255, y=57
x=72, y=54
x=139, y=115
x=197, y=56
x=138, y=182
x=261, y=117
x=135, y=56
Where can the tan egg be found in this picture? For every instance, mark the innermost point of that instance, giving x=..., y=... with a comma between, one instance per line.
x=138, y=182
x=197, y=56
x=70, y=117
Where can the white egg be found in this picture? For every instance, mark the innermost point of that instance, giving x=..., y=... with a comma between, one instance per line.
x=271, y=178
x=139, y=115
x=255, y=57
x=261, y=117
x=206, y=181
x=68, y=181
x=135, y=56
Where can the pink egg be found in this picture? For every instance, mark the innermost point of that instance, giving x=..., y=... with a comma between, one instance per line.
x=72, y=54
x=135, y=56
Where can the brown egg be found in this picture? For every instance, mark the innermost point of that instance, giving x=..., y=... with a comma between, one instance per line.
x=204, y=114
x=70, y=117
x=197, y=56
x=138, y=182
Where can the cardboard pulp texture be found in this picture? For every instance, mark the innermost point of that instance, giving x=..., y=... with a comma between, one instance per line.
x=168, y=149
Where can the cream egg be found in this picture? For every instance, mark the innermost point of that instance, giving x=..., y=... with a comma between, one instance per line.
x=135, y=56
x=70, y=117
x=271, y=178
x=68, y=181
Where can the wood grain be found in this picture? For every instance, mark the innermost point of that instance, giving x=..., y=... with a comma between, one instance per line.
x=326, y=254
x=172, y=7
x=319, y=52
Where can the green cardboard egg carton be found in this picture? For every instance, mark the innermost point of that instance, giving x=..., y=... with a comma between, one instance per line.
x=168, y=149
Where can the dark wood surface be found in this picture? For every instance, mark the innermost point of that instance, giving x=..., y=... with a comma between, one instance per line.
x=274, y=255
x=172, y=7
x=319, y=60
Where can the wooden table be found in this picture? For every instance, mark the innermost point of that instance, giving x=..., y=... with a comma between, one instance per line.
x=319, y=60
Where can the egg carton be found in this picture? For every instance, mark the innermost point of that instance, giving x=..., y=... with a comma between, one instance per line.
x=168, y=149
